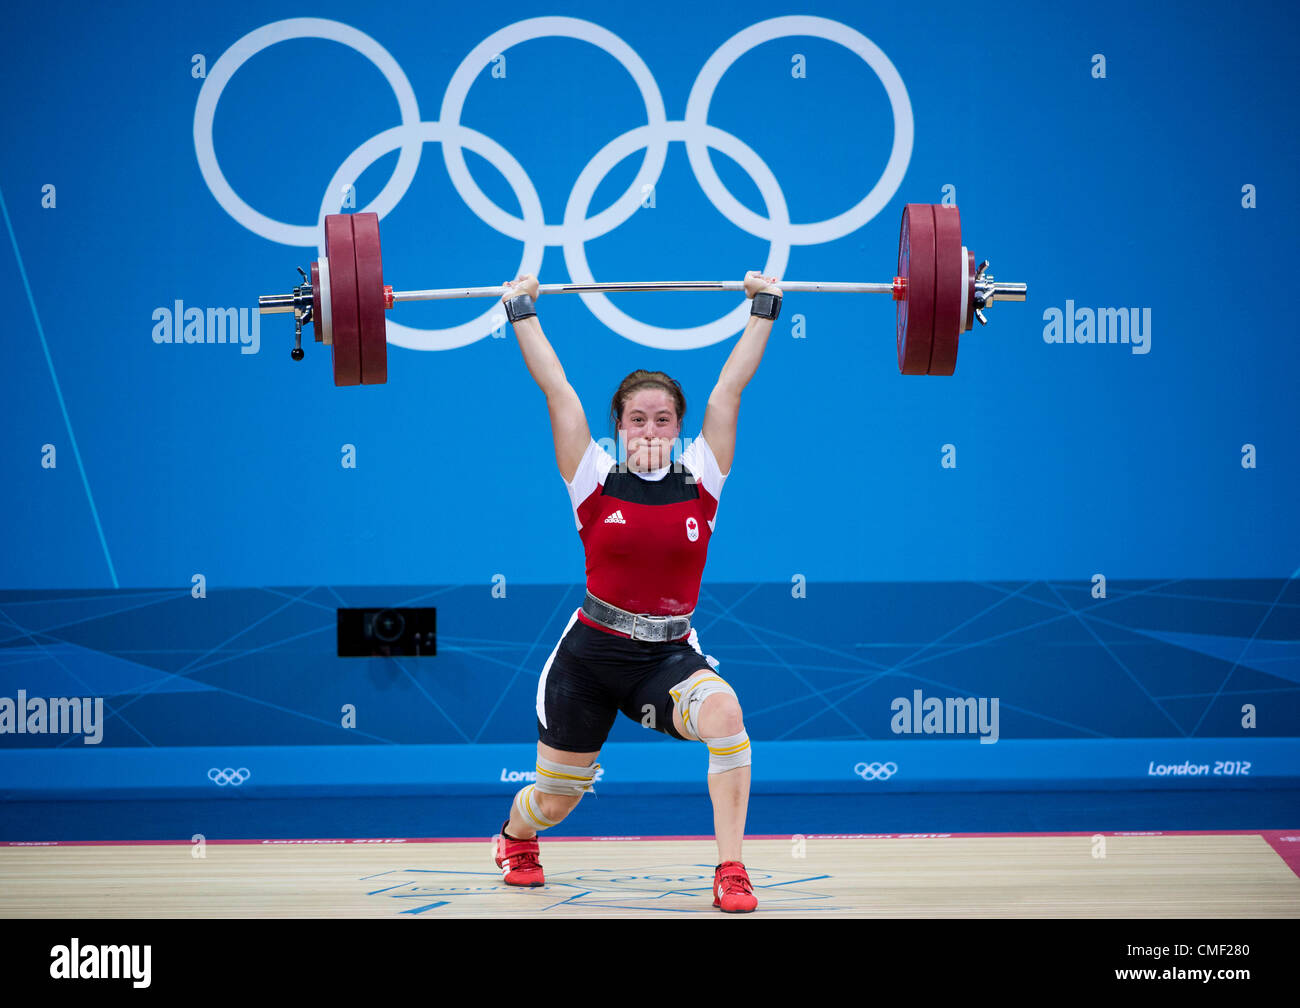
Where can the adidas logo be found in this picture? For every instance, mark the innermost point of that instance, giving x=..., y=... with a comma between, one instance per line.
x=616, y=519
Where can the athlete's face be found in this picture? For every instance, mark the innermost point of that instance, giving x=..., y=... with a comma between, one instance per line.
x=649, y=426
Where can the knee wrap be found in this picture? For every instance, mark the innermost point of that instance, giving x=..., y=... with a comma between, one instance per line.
x=557, y=779
x=689, y=700
x=527, y=806
x=728, y=753
x=565, y=779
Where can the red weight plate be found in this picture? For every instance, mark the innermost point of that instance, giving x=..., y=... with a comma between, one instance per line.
x=316, y=322
x=949, y=278
x=916, y=267
x=370, y=299
x=343, y=298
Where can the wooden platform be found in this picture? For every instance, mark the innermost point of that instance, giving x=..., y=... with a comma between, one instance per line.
x=1217, y=875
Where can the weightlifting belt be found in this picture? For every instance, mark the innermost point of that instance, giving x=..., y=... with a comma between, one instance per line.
x=638, y=626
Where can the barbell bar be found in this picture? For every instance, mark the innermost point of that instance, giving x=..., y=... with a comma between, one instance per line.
x=939, y=291
x=272, y=304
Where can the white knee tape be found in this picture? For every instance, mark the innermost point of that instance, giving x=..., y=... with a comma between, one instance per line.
x=689, y=701
x=527, y=805
x=728, y=753
x=564, y=779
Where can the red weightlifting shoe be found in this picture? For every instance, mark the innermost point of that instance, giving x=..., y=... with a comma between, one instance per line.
x=732, y=890
x=518, y=860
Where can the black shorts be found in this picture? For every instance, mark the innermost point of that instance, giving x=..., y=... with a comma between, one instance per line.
x=592, y=675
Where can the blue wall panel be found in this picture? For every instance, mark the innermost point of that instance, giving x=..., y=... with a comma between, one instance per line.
x=1171, y=468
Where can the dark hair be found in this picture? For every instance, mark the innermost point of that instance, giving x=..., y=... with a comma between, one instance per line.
x=641, y=379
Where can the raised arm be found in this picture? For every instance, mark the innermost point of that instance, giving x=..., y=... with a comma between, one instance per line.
x=723, y=410
x=568, y=421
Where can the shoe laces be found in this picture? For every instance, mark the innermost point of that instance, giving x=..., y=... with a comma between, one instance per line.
x=736, y=879
x=524, y=859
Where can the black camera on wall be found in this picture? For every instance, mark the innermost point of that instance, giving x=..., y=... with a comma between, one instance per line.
x=388, y=633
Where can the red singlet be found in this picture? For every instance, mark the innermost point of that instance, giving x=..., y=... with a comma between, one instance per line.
x=646, y=535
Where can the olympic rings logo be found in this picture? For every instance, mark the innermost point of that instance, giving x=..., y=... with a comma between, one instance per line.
x=228, y=776
x=576, y=228
x=876, y=771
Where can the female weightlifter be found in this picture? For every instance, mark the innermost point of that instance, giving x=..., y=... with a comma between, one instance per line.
x=645, y=527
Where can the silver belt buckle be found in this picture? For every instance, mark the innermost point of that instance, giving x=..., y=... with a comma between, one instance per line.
x=638, y=616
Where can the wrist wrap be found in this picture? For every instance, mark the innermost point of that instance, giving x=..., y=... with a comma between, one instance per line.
x=766, y=305
x=520, y=306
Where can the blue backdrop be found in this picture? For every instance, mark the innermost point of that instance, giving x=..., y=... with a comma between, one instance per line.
x=1116, y=156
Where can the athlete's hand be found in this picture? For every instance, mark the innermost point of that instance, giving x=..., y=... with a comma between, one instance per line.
x=648, y=454
x=756, y=283
x=526, y=284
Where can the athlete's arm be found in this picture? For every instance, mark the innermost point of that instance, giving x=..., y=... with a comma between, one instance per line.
x=568, y=421
x=723, y=410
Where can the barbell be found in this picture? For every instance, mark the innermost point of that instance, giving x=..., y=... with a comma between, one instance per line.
x=939, y=291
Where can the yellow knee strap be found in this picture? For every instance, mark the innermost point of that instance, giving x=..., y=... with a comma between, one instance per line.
x=689, y=696
x=564, y=779
x=526, y=804
x=729, y=753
